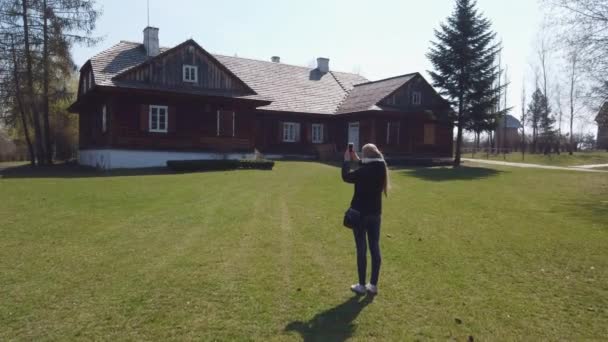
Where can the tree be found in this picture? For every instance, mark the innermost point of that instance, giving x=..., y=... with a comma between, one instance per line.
x=539, y=118
x=42, y=33
x=463, y=57
x=584, y=26
x=523, y=121
x=573, y=69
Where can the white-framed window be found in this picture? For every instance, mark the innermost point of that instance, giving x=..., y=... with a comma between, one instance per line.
x=158, y=119
x=291, y=131
x=416, y=98
x=225, y=123
x=317, y=133
x=429, y=134
x=104, y=119
x=190, y=73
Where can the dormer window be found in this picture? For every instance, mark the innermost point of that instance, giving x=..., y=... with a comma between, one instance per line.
x=190, y=73
x=416, y=98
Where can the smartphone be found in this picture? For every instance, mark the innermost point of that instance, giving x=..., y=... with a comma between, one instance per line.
x=351, y=146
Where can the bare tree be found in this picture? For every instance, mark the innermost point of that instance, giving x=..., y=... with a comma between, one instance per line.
x=584, y=25
x=523, y=120
x=574, y=92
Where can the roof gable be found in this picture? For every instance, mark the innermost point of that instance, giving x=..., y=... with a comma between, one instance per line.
x=166, y=69
x=367, y=96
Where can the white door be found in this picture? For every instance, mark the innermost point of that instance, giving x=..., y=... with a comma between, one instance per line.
x=353, y=134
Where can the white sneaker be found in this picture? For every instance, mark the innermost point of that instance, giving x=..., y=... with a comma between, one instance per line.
x=358, y=289
x=373, y=289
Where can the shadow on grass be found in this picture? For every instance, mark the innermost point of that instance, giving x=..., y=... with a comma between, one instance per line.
x=335, y=324
x=75, y=171
x=593, y=210
x=440, y=174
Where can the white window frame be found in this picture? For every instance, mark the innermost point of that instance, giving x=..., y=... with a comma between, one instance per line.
x=317, y=138
x=217, y=118
x=290, y=130
x=416, y=98
x=157, y=129
x=186, y=73
x=104, y=119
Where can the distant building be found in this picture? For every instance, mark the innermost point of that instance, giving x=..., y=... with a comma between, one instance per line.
x=602, y=127
x=513, y=139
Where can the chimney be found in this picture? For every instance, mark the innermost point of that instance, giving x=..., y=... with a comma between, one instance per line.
x=151, y=41
x=275, y=59
x=323, y=64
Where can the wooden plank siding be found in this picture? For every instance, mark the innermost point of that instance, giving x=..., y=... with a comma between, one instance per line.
x=192, y=126
x=167, y=70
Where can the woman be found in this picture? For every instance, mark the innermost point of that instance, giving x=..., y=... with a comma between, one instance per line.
x=371, y=180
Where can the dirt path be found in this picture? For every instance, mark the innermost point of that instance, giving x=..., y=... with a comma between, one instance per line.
x=536, y=166
x=592, y=166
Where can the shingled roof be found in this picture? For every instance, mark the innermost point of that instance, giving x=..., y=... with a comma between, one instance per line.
x=364, y=97
x=291, y=88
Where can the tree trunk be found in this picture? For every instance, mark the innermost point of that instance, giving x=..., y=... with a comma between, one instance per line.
x=459, y=134
x=40, y=155
x=45, y=95
x=26, y=130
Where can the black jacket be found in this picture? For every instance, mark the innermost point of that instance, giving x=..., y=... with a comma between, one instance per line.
x=369, y=184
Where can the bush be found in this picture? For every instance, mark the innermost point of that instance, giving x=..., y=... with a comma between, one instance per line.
x=260, y=164
x=219, y=165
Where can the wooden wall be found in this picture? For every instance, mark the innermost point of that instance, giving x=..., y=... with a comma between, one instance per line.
x=168, y=71
x=192, y=126
x=402, y=98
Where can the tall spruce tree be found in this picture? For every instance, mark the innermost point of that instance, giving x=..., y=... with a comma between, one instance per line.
x=463, y=57
x=539, y=116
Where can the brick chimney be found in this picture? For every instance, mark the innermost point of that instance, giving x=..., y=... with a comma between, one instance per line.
x=323, y=64
x=275, y=59
x=151, y=41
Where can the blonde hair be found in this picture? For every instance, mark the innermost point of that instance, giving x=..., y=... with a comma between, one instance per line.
x=372, y=151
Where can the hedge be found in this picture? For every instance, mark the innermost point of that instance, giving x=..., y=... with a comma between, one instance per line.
x=219, y=165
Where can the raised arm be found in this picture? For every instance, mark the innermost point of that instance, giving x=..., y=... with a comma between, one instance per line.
x=348, y=175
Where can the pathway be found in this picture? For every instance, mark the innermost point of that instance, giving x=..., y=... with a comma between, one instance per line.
x=583, y=168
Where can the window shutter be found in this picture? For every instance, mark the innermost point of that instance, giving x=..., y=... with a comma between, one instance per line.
x=172, y=119
x=280, y=131
x=143, y=118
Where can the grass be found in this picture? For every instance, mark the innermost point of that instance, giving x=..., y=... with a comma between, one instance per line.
x=564, y=159
x=497, y=254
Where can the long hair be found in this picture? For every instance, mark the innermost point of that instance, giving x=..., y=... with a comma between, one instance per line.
x=372, y=151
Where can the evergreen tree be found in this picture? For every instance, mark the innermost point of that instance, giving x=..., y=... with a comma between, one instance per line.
x=463, y=57
x=541, y=120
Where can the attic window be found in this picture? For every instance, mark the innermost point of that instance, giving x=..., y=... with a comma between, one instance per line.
x=416, y=98
x=190, y=73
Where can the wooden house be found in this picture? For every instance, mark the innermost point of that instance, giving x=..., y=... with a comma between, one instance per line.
x=140, y=105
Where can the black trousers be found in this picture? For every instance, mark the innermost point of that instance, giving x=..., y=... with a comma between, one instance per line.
x=368, y=232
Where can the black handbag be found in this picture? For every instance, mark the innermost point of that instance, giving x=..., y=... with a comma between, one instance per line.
x=352, y=218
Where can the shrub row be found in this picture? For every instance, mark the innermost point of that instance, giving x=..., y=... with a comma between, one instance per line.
x=219, y=165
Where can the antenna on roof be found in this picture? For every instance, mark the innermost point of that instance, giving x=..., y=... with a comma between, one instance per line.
x=148, y=2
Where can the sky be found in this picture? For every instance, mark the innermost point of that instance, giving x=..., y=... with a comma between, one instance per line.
x=378, y=39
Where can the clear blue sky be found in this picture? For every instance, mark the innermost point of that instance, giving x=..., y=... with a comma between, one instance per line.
x=380, y=38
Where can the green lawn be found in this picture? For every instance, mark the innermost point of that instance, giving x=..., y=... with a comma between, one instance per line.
x=564, y=159
x=497, y=254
